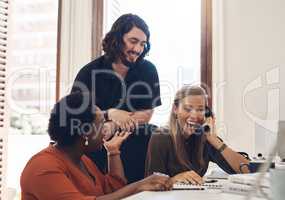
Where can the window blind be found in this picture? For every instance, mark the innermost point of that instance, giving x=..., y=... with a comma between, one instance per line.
x=4, y=8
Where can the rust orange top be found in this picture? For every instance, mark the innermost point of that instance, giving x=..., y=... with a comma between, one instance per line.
x=50, y=175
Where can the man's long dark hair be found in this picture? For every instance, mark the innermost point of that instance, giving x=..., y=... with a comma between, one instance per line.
x=113, y=43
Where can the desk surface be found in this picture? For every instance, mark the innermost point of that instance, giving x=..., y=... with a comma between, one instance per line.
x=207, y=194
x=187, y=194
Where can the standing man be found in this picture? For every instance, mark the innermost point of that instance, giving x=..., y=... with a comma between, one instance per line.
x=126, y=87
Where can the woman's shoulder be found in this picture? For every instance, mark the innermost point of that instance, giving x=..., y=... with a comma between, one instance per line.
x=46, y=159
x=39, y=168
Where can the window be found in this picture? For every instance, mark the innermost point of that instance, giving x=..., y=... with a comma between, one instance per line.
x=177, y=30
x=32, y=64
x=32, y=80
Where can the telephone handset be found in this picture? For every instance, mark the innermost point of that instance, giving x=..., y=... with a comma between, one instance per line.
x=200, y=129
x=208, y=112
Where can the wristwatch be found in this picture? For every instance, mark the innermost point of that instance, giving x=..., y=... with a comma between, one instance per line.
x=105, y=115
x=222, y=148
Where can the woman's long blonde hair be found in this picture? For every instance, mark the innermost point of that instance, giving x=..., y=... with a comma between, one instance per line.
x=176, y=131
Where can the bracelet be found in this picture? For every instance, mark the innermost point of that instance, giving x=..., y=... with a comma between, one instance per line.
x=222, y=148
x=114, y=153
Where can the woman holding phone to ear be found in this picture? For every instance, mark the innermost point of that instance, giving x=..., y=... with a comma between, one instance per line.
x=181, y=150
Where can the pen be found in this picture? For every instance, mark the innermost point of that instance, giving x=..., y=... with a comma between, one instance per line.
x=211, y=181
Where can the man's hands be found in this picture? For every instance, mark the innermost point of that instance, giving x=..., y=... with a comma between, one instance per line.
x=123, y=119
x=188, y=177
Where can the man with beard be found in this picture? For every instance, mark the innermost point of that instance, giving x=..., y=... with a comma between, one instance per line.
x=126, y=87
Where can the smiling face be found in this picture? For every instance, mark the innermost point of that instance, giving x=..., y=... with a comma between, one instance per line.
x=190, y=110
x=134, y=44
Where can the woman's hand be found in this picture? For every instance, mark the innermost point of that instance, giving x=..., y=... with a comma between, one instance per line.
x=155, y=183
x=115, y=143
x=108, y=129
x=212, y=135
x=188, y=177
x=210, y=121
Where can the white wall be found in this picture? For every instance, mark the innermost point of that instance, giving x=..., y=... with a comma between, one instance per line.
x=248, y=64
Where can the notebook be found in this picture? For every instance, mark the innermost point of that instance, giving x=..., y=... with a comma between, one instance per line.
x=208, y=185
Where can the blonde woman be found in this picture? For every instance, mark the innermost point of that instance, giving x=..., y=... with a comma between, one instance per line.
x=182, y=150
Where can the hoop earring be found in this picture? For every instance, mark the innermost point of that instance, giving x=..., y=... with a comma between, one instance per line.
x=86, y=141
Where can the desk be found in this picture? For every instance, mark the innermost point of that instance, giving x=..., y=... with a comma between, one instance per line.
x=188, y=194
x=207, y=194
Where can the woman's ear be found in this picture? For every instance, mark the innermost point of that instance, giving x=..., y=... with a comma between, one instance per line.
x=175, y=109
